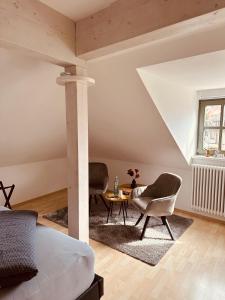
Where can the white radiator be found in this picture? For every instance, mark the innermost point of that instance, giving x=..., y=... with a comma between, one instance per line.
x=208, y=189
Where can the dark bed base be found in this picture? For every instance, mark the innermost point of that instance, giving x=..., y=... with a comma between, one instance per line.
x=95, y=291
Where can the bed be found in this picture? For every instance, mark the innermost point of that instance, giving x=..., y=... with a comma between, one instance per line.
x=65, y=270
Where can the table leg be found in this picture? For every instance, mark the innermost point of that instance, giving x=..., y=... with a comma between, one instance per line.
x=125, y=207
x=120, y=208
x=123, y=210
x=110, y=210
x=90, y=198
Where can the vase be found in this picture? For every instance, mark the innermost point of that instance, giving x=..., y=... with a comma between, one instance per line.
x=133, y=184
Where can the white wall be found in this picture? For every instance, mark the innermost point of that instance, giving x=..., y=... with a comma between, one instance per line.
x=149, y=173
x=124, y=122
x=32, y=110
x=33, y=127
x=177, y=104
x=34, y=179
x=175, y=88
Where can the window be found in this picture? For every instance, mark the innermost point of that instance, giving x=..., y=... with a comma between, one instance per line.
x=211, y=128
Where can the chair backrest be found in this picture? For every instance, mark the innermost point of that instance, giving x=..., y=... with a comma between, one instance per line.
x=167, y=184
x=98, y=176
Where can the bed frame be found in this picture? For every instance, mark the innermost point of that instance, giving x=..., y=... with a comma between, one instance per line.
x=95, y=291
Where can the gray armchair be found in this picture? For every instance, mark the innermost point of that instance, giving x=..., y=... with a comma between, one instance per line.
x=98, y=181
x=157, y=200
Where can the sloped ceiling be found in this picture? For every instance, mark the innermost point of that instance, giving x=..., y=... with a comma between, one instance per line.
x=206, y=71
x=124, y=124
x=177, y=104
x=173, y=87
x=32, y=110
x=124, y=121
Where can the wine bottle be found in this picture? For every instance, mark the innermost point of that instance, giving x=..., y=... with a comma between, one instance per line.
x=116, y=186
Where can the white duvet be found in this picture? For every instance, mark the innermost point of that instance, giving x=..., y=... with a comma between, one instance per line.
x=66, y=269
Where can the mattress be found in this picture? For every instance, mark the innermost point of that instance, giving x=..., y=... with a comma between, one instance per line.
x=65, y=269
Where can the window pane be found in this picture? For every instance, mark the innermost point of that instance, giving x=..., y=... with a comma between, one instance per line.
x=223, y=141
x=212, y=115
x=211, y=139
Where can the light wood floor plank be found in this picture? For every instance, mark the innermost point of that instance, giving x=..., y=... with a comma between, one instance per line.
x=193, y=269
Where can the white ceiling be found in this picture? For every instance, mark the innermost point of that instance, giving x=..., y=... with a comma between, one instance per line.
x=199, y=72
x=77, y=9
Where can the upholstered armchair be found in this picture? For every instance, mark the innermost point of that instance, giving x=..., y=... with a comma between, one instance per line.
x=157, y=200
x=98, y=181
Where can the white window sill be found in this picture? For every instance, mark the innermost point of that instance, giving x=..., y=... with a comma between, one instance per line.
x=208, y=161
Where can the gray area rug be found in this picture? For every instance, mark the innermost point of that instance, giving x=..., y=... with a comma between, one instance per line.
x=126, y=238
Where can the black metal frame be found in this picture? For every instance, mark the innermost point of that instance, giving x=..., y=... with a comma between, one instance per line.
x=95, y=291
x=7, y=196
x=123, y=207
x=164, y=220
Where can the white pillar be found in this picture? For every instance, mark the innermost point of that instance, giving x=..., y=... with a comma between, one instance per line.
x=76, y=84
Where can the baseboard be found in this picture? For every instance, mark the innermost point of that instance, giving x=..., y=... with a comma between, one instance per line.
x=197, y=215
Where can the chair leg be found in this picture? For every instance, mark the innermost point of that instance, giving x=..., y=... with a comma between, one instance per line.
x=140, y=218
x=120, y=208
x=103, y=200
x=109, y=211
x=123, y=210
x=90, y=197
x=144, y=228
x=165, y=222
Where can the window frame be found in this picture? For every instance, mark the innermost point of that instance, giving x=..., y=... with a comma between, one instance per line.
x=201, y=127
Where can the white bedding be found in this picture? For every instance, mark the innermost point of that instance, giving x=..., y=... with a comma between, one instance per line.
x=66, y=269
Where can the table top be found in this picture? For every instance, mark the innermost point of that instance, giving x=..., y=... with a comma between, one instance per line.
x=127, y=186
x=109, y=195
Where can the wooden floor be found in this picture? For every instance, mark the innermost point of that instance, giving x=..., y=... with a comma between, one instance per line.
x=193, y=269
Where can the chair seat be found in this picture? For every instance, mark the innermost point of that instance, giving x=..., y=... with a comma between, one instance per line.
x=141, y=203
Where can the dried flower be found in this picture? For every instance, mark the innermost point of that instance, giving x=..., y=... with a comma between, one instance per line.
x=130, y=172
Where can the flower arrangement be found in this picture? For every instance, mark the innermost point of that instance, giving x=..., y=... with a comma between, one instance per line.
x=134, y=174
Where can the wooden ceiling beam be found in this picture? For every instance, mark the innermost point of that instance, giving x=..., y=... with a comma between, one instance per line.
x=35, y=29
x=125, y=20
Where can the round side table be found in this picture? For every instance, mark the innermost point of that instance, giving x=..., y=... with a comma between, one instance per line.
x=116, y=199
